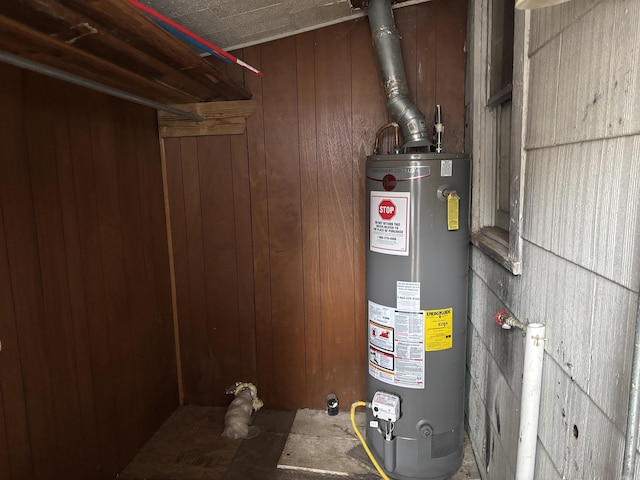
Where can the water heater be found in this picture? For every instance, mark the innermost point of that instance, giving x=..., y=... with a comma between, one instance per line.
x=416, y=291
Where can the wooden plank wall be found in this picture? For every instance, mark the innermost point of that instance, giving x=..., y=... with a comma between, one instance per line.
x=87, y=366
x=268, y=228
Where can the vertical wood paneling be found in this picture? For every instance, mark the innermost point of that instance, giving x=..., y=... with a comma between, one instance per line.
x=196, y=268
x=13, y=427
x=218, y=224
x=260, y=233
x=130, y=216
x=12, y=388
x=309, y=204
x=86, y=416
x=448, y=62
x=285, y=235
x=299, y=199
x=244, y=255
x=15, y=453
x=76, y=310
x=162, y=377
x=59, y=347
x=17, y=198
x=209, y=223
x=99, y=329
x=425, y=60
x=334, y=136
x=175, y=192
x=244, y=259
x=118, y=306
x=5, y=467
x=130, y=306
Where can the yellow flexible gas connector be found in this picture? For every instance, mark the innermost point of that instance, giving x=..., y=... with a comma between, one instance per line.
x=364, y=444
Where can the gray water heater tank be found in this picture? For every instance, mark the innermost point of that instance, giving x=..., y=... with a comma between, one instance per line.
x=416, y=290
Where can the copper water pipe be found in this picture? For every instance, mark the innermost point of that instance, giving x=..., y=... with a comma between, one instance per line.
x=396, y=138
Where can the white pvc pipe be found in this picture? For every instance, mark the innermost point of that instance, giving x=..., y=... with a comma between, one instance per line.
x=530, y=401
x=633, y=411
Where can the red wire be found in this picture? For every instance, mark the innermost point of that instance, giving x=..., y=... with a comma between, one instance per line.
x=190, y=34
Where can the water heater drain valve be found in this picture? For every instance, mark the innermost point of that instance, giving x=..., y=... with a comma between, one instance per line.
x=386, y=406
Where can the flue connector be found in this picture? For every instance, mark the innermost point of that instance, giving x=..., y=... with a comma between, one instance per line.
x=386, y=40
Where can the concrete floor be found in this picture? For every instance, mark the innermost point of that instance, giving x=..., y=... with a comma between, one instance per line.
x=322, y=444
x=308, y=445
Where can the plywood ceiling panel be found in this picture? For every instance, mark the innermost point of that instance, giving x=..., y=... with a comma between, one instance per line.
x=232, y=24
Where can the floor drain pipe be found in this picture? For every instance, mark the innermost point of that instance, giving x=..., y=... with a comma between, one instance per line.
x=531, y=390
x=631, y=439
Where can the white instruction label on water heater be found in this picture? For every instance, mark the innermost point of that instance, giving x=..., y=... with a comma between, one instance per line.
x=396, y=346
x=389, y=223
x=408, y=296
x=446, y=168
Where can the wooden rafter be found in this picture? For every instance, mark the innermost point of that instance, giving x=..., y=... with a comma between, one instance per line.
x=111, y=42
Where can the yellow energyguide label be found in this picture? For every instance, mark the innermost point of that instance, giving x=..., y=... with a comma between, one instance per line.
x=453, y=201
x=438, y=329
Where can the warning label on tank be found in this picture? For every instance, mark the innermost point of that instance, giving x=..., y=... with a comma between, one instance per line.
x=389, y=223
x=438, y=331
x=382, y=361
x=380, y=314
x=381, y=336
x=396, y=346
x=408, y=296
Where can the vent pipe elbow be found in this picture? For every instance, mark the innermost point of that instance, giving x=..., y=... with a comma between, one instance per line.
x=386, y=40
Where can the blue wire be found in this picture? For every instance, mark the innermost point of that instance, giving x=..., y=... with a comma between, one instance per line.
x=190, y=40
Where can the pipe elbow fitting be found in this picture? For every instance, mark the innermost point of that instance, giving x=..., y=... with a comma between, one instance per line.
x=387, y=44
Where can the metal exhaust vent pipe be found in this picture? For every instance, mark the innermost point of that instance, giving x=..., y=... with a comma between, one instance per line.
x=387, y=44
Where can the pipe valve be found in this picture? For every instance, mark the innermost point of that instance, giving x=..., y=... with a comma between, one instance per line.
x=500, y=317
x=506, y=321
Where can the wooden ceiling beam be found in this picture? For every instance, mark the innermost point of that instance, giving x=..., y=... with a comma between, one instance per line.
x=73, y=27
x=21, y=40
x=112, y=42
x=145, y=35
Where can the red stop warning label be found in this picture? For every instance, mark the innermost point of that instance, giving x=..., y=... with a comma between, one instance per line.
x=386, y=209
x=389, y=222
